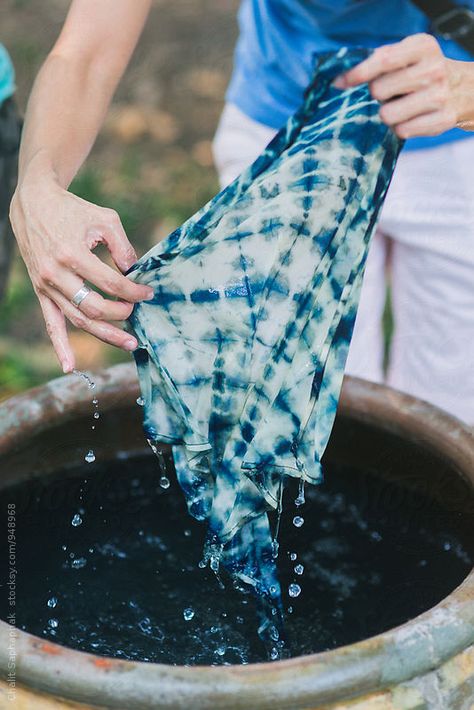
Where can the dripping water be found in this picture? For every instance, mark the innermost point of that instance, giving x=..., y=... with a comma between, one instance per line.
x=164, y=480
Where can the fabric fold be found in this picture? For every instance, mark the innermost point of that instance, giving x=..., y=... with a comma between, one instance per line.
x=242, y=349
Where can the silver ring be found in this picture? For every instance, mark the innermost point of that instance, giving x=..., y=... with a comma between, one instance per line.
x=78, y=297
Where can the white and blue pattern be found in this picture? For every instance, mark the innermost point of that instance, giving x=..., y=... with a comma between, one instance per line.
x=242, y=349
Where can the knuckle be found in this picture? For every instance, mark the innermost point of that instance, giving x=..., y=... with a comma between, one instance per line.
x=385, y=57
x=438, y=71
x=129, y=251
x=64, y=256
x=427, y=41
x=112, y=216
x=46, y=274
x=111, y=283
x=79, y=320
x=93, y=311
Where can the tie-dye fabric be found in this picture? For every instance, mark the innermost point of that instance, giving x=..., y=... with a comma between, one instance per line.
x=242, y=349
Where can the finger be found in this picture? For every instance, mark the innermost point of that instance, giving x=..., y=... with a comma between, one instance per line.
x=431, y=124
x=106, y=332
x=107, y=279
x=412, y=105
x=389, y=58
x=117, y=242
x=94, y=305
x=57, y=331
x=407, y=80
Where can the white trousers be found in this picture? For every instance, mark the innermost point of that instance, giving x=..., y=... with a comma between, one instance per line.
x=424, y=245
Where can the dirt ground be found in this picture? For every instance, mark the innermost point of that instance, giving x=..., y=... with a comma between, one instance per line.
x=181, y=65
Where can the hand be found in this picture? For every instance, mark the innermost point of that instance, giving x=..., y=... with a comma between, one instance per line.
x=420, y=89
x=56, y=232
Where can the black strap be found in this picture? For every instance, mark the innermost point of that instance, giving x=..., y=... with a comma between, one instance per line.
x=450, y=20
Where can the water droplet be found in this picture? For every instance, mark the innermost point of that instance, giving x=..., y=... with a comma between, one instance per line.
x=77, y=520
x=96, y=415
x=140, y=401
x=85, y=377
x=294, y=590
x=90, y=456
x=95, y=401
x=293, y=556
x=214, y=629
x=298, y=521
x=299, y=569
x=80, y=562
x=290, y=610
x=447, y=546
x=220, y=650
x=202, y=564
x=274, y=635
x=187, y=533
x=273, y=589
x=53, y=623
x=64, y=547
x=188, y=614
x=93, y=427
x=274, y=654
x=164, y=482
x=214, y=564
x=300, y=500
x=275, y=546
x=239, y=619
x=52, y=602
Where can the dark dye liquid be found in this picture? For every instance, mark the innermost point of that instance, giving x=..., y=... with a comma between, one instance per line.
x=125, y=581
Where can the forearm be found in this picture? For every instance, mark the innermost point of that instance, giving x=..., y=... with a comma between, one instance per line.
x=65, y=111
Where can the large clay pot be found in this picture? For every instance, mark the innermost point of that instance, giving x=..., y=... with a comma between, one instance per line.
x=427, y=662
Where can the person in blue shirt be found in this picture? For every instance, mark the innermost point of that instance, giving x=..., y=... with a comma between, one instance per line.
x=424, y=245
x=426, y=231
x=9, y=141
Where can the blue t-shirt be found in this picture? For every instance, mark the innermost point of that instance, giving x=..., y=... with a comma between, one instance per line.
x=273, y=57
x=7, y=75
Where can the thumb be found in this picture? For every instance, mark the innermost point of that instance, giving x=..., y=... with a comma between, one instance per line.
x=121, y=250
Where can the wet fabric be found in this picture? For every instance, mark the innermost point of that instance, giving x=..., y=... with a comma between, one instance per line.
x=242, y=349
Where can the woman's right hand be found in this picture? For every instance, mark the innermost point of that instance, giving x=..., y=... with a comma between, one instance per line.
x=56, y=233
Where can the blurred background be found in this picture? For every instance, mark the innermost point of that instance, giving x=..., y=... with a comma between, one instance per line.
x=152, y=161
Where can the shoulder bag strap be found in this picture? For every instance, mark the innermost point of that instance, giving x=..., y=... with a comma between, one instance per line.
x=450, y=21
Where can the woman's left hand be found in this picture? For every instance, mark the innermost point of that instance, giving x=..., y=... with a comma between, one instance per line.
x=423, y=93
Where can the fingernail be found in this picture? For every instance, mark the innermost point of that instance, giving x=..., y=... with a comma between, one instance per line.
x=66, y=367
x=150, y=294
x=131, y=344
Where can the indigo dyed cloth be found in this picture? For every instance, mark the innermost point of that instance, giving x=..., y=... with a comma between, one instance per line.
x=242, y=349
